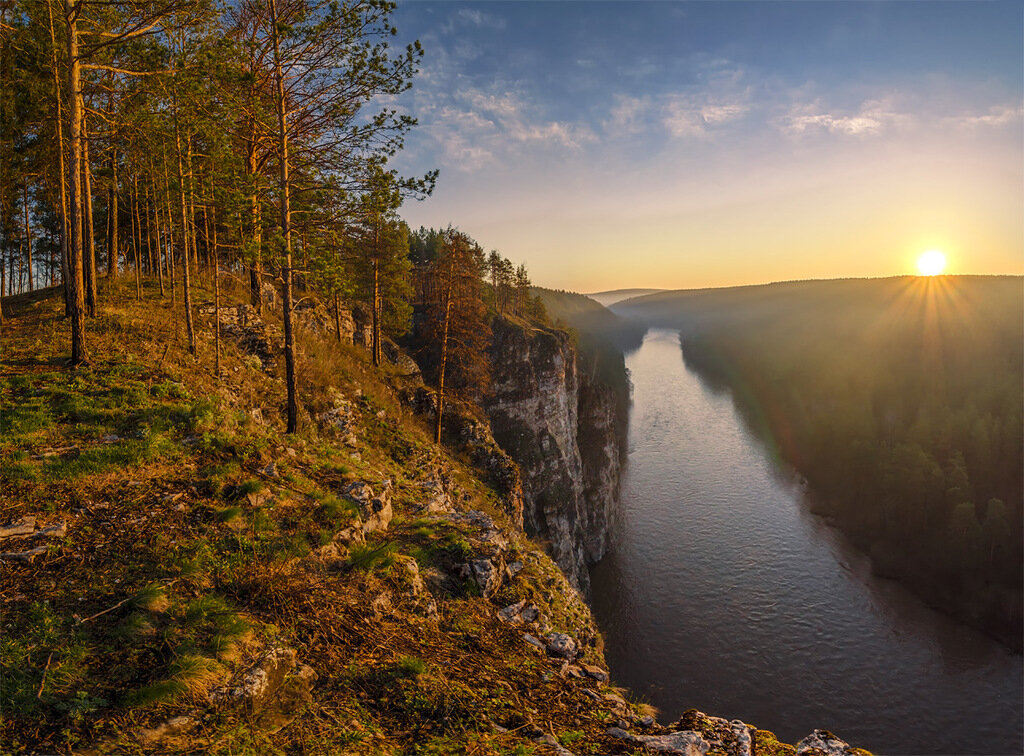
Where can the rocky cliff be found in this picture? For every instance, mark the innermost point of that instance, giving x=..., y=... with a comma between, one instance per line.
x=562, y=425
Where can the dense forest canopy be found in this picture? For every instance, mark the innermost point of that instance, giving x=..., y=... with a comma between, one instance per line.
x=900, y=400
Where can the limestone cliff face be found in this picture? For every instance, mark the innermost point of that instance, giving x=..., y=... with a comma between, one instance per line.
x=560, y=425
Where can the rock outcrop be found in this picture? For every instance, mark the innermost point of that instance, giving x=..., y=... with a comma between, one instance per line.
x=560, y=424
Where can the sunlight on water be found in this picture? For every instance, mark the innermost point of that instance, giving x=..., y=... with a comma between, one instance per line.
x=723, y=593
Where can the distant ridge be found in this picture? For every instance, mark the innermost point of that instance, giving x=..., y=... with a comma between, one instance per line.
x=608, y=298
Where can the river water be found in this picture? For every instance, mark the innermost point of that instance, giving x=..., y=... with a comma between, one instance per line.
x=723, y=593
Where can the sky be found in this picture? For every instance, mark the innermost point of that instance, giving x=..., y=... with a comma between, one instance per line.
x=692, y=144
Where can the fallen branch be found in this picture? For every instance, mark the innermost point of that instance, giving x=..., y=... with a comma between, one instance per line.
x=24, y=526
x=100, y=614
x=42, y=682
x=23, y=556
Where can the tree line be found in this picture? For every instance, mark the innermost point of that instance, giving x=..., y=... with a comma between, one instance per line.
x=175, y=140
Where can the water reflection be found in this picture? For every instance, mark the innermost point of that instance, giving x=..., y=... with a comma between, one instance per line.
x=724, y=593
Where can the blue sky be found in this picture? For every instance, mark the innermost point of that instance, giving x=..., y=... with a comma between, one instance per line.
x=680, y=145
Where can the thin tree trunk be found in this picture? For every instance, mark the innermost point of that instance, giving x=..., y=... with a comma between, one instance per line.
x=185, y=279
x=444, y=362
x=337, y=317
x=169, y=238
x=88, y=246
x=59, y=124
x=137, y=236
x=79, y=356
x=256, y=267
x=28, y=240
x=216, y=296
x=112, y=241
x=286, y=228
x=376, y=311
x=153, y=226
x=192, y=209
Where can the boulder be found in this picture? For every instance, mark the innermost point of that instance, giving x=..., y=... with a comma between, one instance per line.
x=487, y=578
x=824, y=743
x=685, y=742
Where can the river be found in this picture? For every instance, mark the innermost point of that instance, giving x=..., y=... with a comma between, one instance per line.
x=722, y=592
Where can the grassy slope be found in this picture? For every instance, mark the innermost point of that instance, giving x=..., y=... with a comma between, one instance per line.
x=184, y=559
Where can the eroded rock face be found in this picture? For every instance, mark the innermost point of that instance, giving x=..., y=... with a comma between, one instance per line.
x=561, y=428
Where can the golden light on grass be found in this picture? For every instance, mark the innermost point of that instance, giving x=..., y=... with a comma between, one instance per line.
x=931, y=263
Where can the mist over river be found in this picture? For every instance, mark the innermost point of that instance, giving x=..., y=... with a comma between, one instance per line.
x=722, y=592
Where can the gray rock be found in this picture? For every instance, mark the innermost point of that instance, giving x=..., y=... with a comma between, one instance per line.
x=534, y=642
x=548, y=739
x=685, y=742
x=173, y=728
x=530, y=613
x=595, y=672
x=511, y=612
x=487, y=578
x=381, y=605
x=375, y=511
x=563, y=645
x=823, y=743
x=260, y=681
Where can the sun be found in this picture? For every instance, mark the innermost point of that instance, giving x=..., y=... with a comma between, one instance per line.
x=931, y=263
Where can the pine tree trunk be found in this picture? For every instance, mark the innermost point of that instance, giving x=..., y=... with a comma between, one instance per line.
x=28, y=240
x=337, y=317
x=286, y=227
x=185, y=278
x=444, y=361
x=113, y=253
x=88, y=236
x=256, y=267
x=376, y=312
x=62, y=181
x=154, y=235
x=137, y=236
x=216, y=297
x=79, y=355
x=169, y=236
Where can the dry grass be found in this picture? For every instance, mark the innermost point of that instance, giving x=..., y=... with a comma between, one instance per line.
x=171, y=577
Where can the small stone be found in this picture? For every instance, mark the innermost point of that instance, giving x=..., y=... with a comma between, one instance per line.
x=291, y=452
x=684, y=743
x=534, y=642
x=381, y=605
x=563, y=645
x=823, y=743
x=596, y=672
x=271, y=470
x=515, y=568
x=511, y=612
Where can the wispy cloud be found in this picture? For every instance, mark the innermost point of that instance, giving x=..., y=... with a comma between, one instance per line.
x=890, y=114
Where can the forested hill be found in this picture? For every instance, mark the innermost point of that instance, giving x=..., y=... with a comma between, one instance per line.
x=900, y=401
x=590, y=319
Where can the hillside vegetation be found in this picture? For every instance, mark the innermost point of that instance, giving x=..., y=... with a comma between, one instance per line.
x=900, y=401
x=181, y=576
